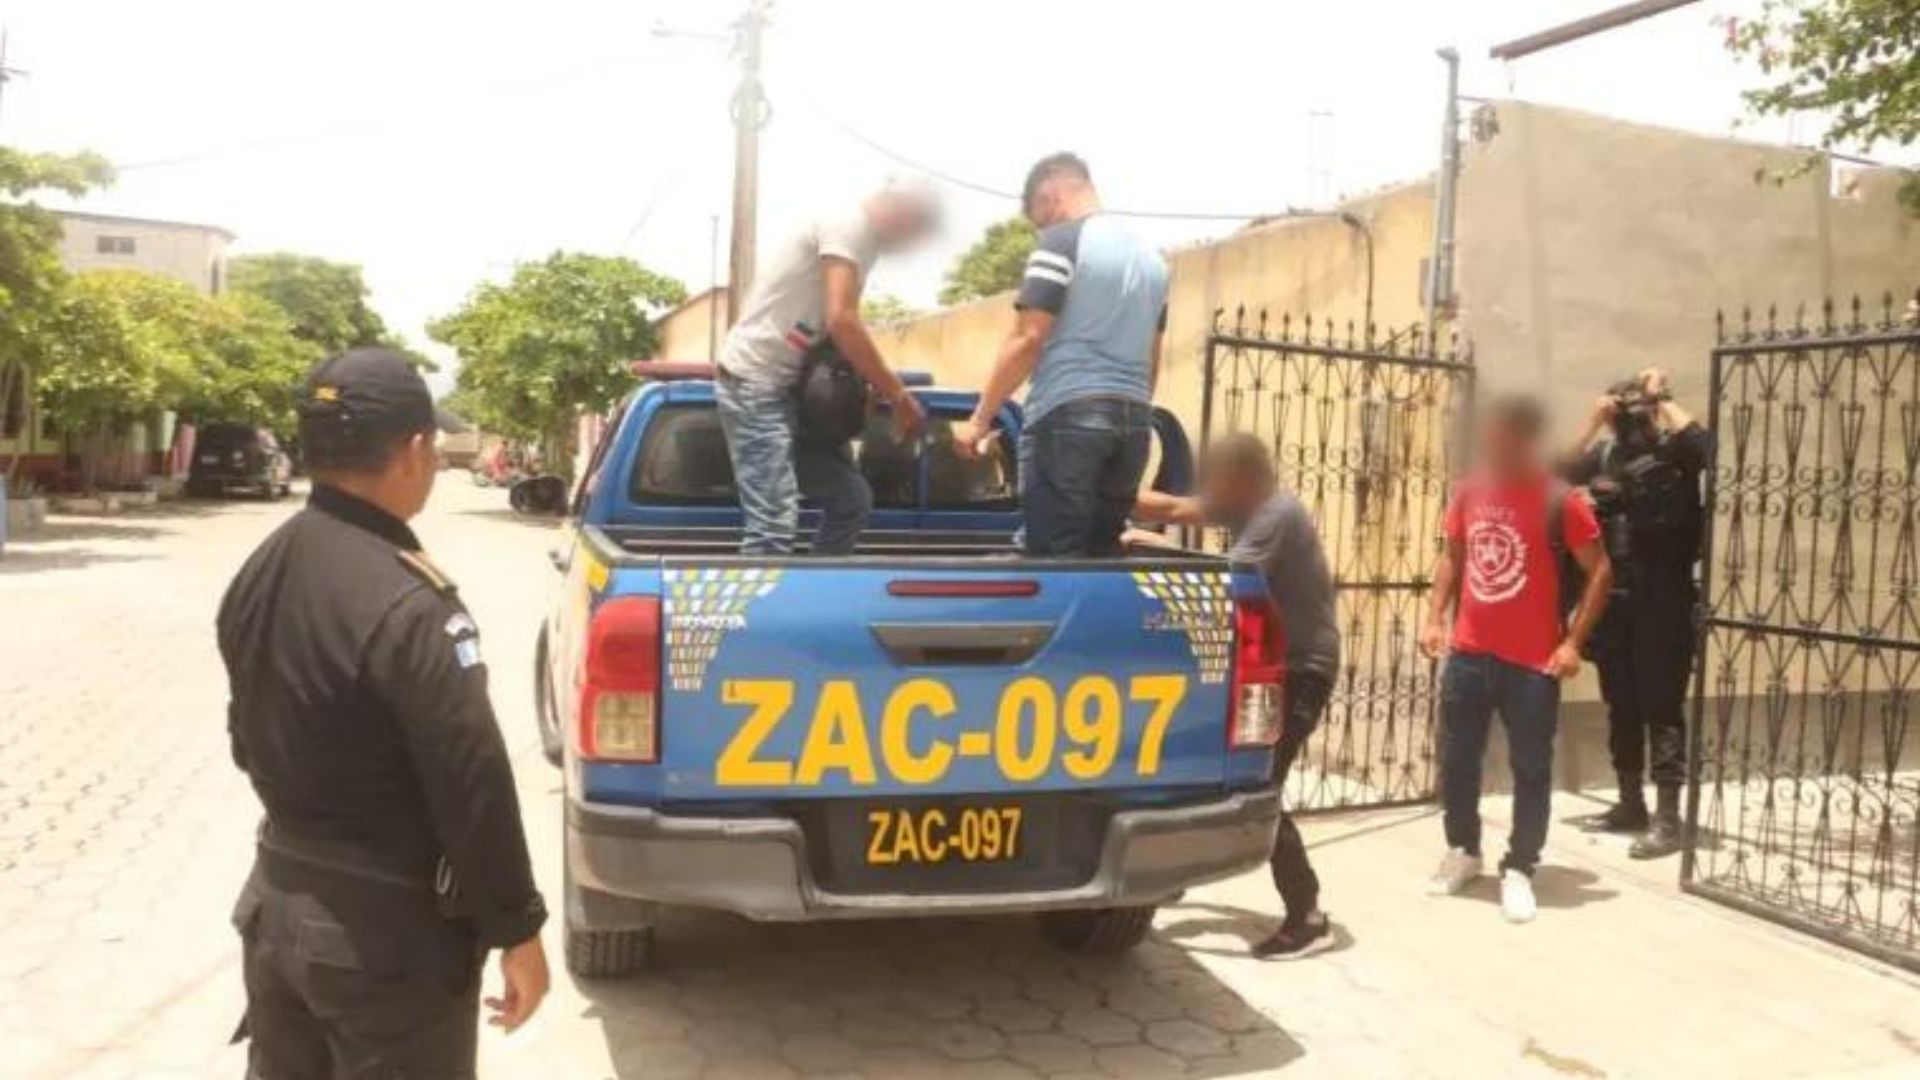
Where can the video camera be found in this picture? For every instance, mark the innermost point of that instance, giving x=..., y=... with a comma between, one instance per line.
x=1635, y=414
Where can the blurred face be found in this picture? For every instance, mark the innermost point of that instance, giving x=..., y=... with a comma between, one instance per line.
x=1506, y=449
x=1231, y=494
x=900, y=223
x=1047, y=207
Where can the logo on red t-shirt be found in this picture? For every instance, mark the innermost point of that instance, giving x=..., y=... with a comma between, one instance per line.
x=1496, y=557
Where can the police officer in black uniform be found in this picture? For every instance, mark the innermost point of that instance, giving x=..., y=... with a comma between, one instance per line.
x=391, y=858
x=1641, y=460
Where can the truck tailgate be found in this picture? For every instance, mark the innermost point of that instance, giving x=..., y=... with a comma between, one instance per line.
x=820, y=679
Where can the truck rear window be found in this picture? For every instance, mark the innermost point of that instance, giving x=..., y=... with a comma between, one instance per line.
x=684, y=462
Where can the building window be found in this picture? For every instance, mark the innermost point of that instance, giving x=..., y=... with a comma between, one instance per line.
x=113, y=245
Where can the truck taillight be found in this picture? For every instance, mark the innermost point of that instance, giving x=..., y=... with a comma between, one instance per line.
x=620, y=700
x=1259, y=670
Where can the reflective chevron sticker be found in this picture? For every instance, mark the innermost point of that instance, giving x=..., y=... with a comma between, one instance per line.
x=1198, y=605
x=703, y=607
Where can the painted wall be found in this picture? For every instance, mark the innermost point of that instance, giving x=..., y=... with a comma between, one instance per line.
x=1590, y=248
x=691, y=331
x=1315, y=265
x=194, y=254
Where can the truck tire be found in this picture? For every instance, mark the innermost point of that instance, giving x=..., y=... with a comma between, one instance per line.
x=600, y=954
x=607, y=954
x=545, y=715
x=1098, y=929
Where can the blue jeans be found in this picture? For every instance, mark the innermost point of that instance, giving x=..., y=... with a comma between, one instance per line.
x=1080, y=468
x=1473, y=688
x=772, y=467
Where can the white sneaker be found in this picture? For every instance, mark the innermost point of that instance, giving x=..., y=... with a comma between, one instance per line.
x=1456, y=870
x=1516, y=897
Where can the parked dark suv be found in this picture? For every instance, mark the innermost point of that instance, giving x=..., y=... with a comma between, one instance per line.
x=237, y=457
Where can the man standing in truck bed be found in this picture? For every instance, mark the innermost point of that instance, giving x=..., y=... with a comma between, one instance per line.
x=808, y=297
x=1091, y=307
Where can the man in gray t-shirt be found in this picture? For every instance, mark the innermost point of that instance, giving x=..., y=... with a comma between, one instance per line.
x=807, y=294
x=1272, y=530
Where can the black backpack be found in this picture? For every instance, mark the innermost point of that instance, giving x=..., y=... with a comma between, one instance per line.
x=832, y=397
x=1573, y=576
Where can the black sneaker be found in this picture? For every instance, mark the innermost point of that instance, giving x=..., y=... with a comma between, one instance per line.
x=1625, y=817
x=1295, y=938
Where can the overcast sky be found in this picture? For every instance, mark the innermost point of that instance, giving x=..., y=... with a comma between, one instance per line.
x=436, y=143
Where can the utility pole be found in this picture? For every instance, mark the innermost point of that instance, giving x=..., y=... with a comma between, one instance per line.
x=1446, y=193
x=751, y=112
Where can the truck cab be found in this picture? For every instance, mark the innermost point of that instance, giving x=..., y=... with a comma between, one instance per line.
x=936, y=724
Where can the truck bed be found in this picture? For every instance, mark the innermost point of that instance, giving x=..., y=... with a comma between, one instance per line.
x=978, y=549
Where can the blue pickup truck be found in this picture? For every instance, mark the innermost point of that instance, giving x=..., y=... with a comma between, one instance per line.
x=935, y=725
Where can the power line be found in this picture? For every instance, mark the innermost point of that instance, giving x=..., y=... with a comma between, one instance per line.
x=978, y=188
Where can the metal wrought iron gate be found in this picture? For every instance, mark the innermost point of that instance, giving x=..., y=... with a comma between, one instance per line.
x=1805, y=754
x=1364, y=427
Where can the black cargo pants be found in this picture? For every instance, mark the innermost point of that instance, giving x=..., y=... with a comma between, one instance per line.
x=1644, y=650
x=349, y=979
x=1304, y=700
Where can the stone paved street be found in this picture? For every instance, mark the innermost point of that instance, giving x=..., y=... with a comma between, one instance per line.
x=124, y=832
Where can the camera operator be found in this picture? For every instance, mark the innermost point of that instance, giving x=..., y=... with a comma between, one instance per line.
x=1641, y=459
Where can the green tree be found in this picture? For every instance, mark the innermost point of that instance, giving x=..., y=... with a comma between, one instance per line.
x=886, y=310
x=325, y=301
x=30, y=274
x=993, y=264
x=1855, y=61
x=119, y=346
x=553, y=342
x=248, y=364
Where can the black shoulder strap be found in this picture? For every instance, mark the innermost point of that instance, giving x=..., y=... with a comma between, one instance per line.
x=1557, y=495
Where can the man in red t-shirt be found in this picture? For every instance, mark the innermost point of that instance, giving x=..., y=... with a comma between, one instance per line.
x=1510, y=648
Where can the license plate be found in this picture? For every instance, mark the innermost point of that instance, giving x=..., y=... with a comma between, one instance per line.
x=932, y=835
x=209, y=459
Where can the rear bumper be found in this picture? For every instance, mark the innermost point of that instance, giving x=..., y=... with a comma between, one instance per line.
x=758, y=867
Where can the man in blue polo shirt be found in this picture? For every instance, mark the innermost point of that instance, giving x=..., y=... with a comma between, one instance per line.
x=1091, y=306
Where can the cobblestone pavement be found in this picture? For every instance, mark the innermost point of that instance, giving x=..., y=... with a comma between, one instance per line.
x=124, y=832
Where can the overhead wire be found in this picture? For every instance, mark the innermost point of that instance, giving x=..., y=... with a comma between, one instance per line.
x=978, y=188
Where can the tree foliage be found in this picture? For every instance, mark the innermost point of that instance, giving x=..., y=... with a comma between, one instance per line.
x=1855, y=61
x=120, y=345
x=30, y=235
x=325, y=301
x=30, y=274
x=886, y=309
x=993, y=264
x=123, y=345
x=553, y=342
x=249, y=364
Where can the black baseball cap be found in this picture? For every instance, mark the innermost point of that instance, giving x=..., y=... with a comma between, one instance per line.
x=357, y=405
